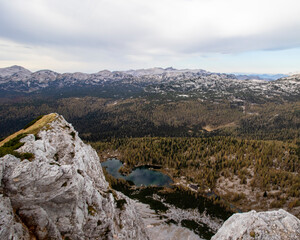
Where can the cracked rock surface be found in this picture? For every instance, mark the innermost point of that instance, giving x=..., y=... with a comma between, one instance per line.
x=271, y=225
x=62, y=193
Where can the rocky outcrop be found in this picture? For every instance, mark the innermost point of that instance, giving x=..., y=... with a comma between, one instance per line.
x=272, y=225
x=62, y=193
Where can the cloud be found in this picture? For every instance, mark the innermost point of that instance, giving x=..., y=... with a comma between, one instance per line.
x=148, y=31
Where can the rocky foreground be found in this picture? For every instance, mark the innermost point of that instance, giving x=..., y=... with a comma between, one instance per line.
x=61, y=193
x=272, y=225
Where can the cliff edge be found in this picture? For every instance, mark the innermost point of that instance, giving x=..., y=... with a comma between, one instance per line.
x=60, y=192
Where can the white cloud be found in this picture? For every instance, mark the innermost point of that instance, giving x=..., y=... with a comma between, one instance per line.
x=132, y=32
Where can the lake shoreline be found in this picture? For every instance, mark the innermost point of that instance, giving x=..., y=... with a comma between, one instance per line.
x=230, y=188
x=175, y=182
x=142, y=175
x=104, y=156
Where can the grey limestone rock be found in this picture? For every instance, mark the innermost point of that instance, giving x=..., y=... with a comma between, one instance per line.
x=10, y=226
x=62, y=192
x=271, y=225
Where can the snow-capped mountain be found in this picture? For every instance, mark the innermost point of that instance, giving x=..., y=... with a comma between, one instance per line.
x=228, y=86
x=268, y=77
x=185, y=82
x=14, y=73
x=162, y=71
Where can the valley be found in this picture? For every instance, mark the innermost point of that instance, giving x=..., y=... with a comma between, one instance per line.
x=228, y=143
x=249, y=174
x=150, y=120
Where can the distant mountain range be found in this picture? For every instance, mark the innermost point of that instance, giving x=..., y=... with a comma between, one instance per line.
x=267, y=77
x=199, y=83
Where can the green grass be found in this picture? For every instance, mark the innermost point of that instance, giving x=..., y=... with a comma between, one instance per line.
x=14, y=144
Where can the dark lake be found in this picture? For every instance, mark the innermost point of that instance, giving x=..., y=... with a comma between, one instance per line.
x=140, y=176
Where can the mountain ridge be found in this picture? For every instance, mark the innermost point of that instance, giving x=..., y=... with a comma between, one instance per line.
x=189, y=83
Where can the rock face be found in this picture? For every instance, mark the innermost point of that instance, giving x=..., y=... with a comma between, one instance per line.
x=62, y=193
x=158, y=229
x=272, y=225
x=10, y=226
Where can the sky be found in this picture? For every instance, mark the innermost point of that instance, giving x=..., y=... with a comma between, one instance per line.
x=247, y=36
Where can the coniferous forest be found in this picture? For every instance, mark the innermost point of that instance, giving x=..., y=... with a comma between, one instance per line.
x=247, y=154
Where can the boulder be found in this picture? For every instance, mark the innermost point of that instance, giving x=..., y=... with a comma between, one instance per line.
x=271, y=225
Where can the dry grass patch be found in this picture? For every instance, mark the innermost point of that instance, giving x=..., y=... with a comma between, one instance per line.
x=211, y=128
x=32, y=129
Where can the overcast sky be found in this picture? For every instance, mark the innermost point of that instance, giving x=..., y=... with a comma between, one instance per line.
x=261, y=36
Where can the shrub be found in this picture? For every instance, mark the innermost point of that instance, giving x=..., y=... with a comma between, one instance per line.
x=265, y=194
x=27, y=156
x=10, y=146
x=15, y=142
x=276, y=204
x=237, y=196
x=295, y=203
